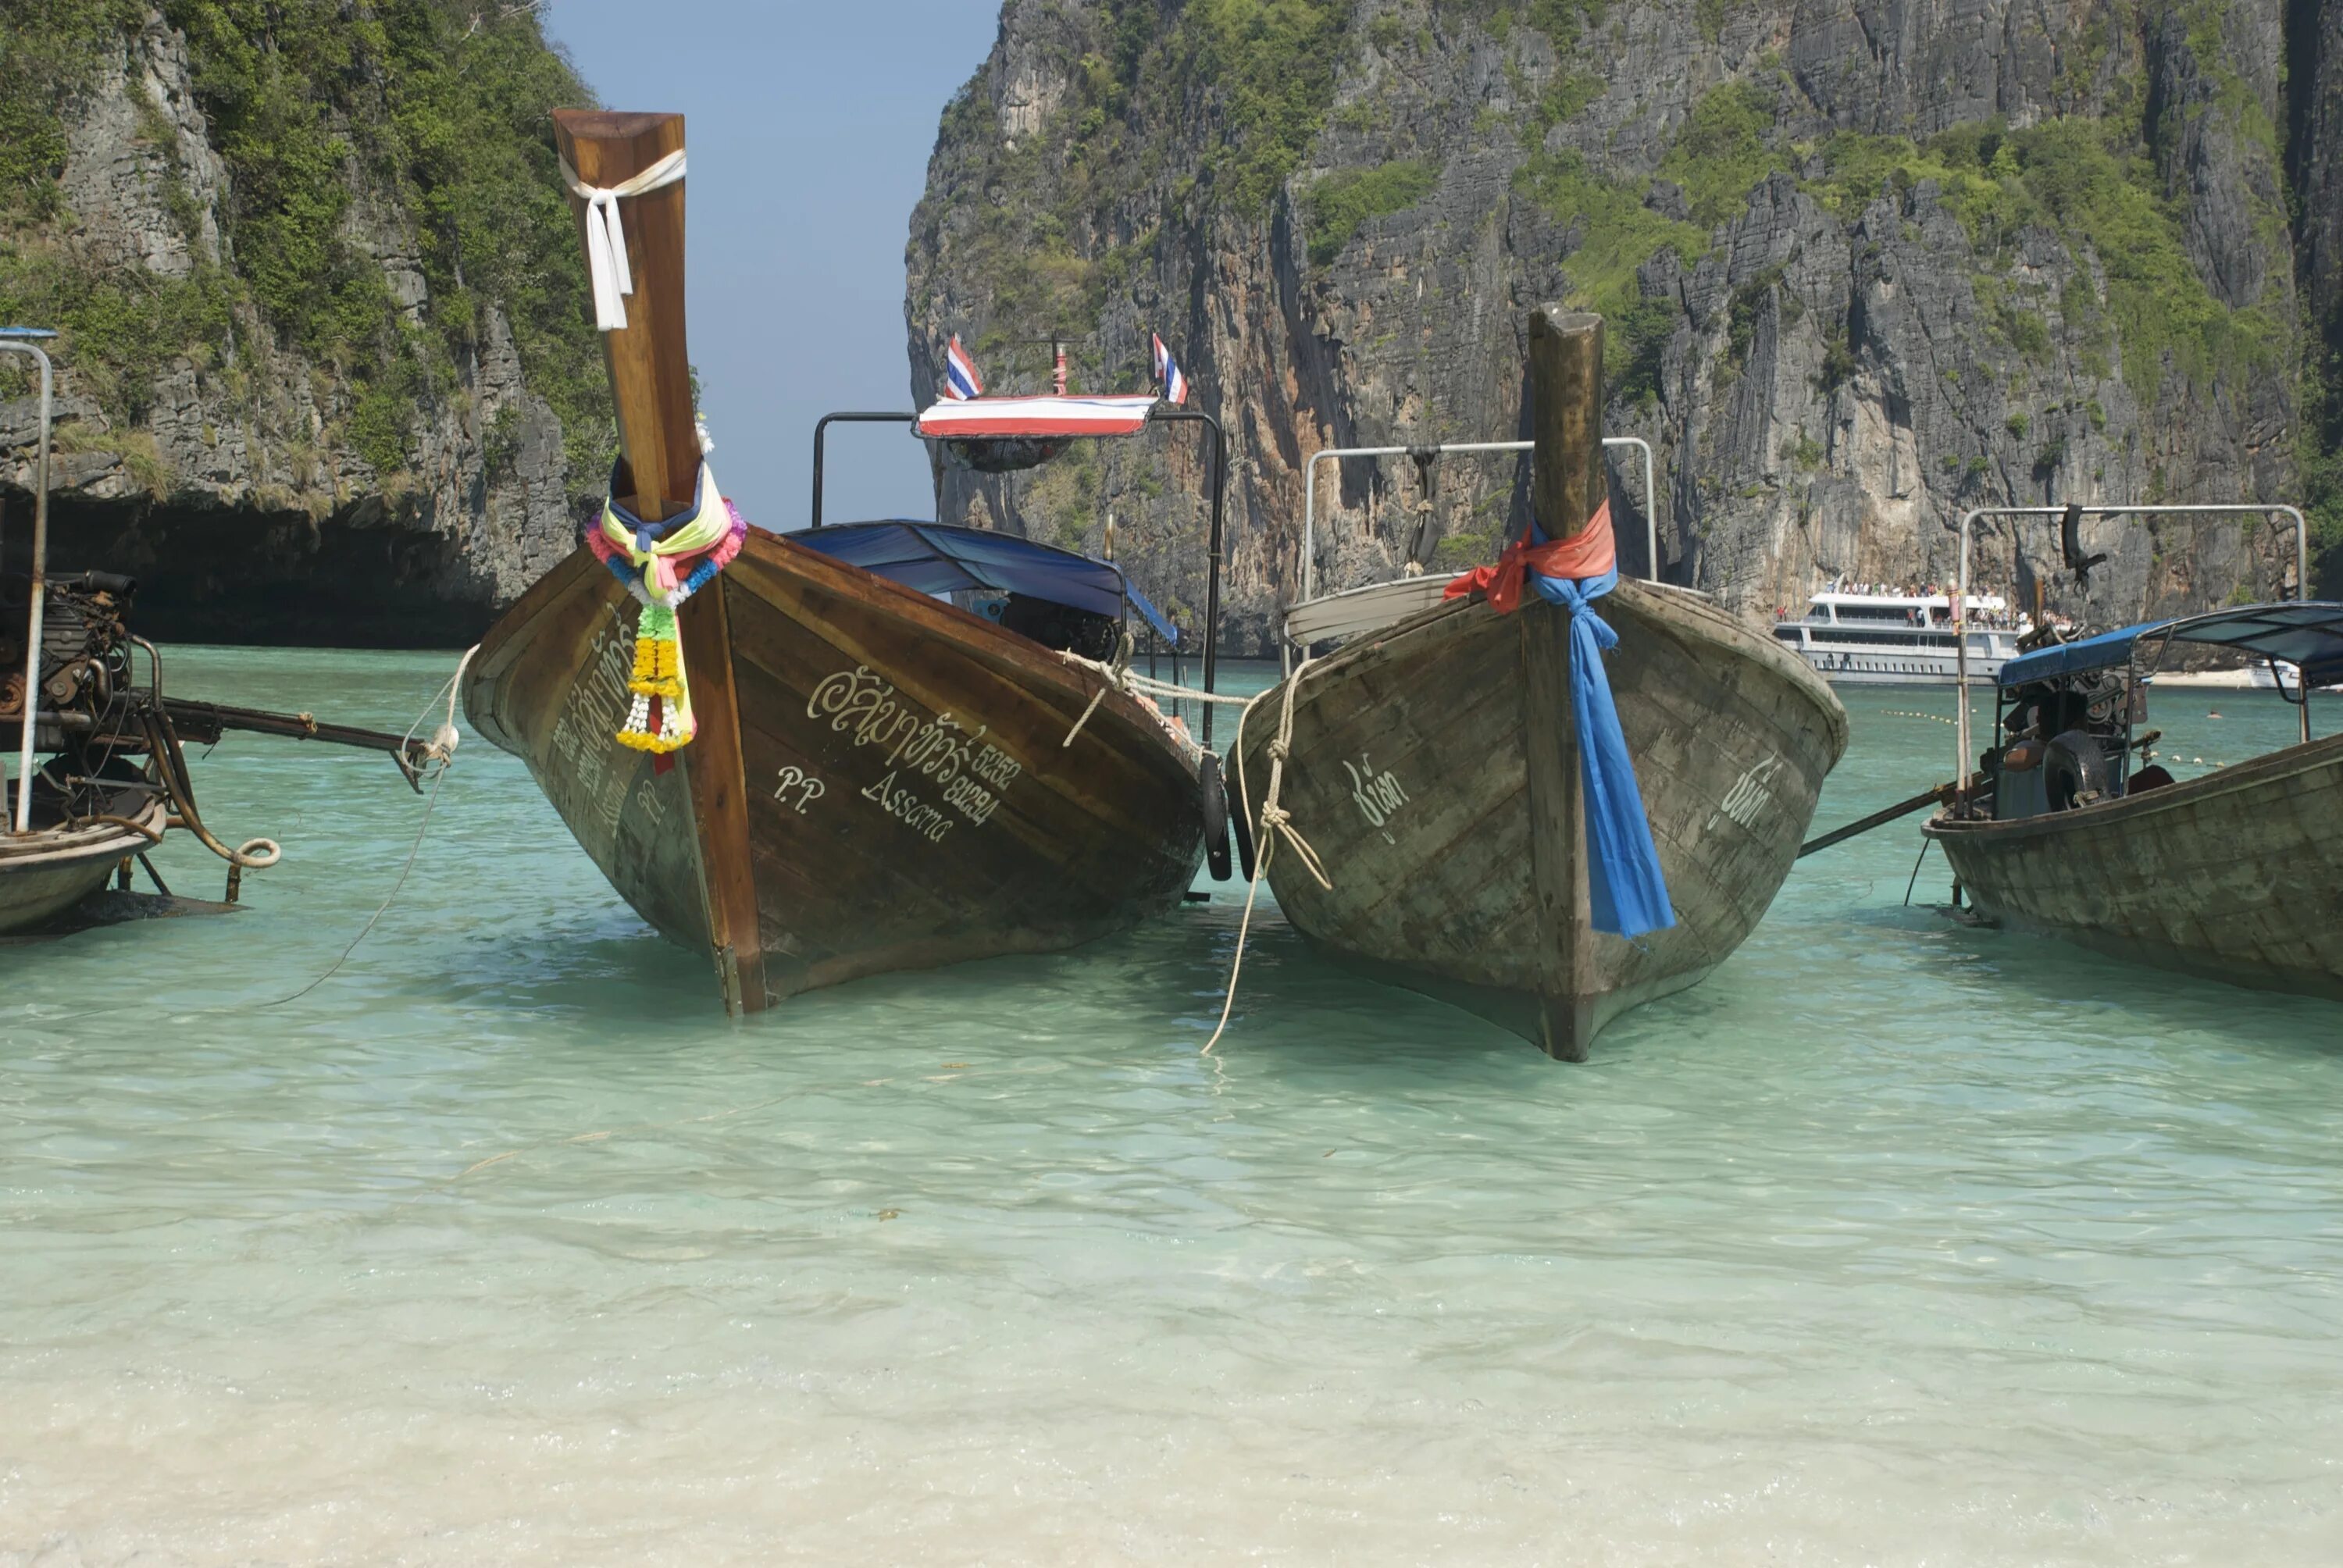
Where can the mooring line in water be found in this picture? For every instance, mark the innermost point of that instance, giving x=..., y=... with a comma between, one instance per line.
x=380, y=909
x=1914, y=883
x=442, y=750
x=1274, y=820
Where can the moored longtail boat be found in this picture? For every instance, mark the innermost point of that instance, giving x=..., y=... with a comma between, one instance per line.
x=1486, y=834
x=2075, y=832
x=100, y=769
x=827, y=773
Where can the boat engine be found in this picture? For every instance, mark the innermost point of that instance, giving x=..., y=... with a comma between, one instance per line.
x=2075, y=770
x=2064, y=738
x=84, y=647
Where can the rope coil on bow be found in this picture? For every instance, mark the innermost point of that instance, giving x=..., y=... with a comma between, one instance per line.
x=606, y=234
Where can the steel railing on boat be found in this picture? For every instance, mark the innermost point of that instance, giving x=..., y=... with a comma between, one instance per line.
x=1461, y=448
x=28, y=340
x=1457, y=449
x=1975, y=515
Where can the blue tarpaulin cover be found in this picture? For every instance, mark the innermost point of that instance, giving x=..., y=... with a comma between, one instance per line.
x=942, y=557
x=2307, y=633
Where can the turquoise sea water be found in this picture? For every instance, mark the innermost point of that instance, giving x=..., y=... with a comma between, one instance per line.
x=1894, y=1242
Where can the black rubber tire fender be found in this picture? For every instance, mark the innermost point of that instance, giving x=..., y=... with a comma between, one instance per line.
x=1216, y=817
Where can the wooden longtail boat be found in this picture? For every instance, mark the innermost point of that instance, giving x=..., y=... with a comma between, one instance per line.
x=881, y=779
x=1434, y=766
x=101, y=773
x=2074, y=832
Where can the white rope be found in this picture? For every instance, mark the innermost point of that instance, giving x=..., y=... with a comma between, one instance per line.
x=1113, y=677
x=1131, y=680
x=605, y=235
x=1123, y=678
x=441, y=748
x=1275, y=822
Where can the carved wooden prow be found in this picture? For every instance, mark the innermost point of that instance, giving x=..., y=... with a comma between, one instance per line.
x=1568, y=484
x=649, y=358
x=649, y=361
x=1568, y=478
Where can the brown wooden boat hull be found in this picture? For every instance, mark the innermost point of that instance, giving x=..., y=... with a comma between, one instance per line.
x=2235, y=876
x=1433, y=769
x=895, y=784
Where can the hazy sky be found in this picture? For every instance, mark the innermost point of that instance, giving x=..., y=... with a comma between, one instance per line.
x=808, y=125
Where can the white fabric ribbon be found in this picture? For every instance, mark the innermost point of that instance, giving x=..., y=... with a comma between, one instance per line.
x=606, y=236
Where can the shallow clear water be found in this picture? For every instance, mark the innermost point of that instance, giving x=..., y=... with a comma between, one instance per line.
x=1894, y=1243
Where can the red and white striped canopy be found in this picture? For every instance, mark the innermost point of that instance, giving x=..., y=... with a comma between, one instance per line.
x=980, y=418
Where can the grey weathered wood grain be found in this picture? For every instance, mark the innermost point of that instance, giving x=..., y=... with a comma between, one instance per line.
x=1459, y=864
x=1463, y=707
x=2235, y=876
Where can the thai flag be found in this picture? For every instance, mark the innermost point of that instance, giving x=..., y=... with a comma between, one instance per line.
x=961, y=380
x=1167, y=370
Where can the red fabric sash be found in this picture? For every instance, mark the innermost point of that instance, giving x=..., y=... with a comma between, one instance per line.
x=1589, y=553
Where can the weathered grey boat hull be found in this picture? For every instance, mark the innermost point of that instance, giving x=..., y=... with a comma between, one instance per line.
x=2237, y=875
x=47, y=873
x=1435, y=768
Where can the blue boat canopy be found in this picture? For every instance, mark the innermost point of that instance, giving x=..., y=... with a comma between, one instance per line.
x=2306, y=633
x=944, y=558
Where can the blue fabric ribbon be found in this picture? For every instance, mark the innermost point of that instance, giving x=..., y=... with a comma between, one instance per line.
x=1627, y=894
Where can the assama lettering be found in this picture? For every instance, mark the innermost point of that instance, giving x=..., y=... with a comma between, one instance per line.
x=968, y=773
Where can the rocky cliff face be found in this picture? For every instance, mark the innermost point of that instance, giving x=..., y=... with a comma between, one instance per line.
x=1864, y=265
x=282, y=402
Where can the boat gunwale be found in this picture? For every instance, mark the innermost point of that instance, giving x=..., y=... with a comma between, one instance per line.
x=1686, y=609
x=2271, y=766
x=1076, y=682
x=61, y=845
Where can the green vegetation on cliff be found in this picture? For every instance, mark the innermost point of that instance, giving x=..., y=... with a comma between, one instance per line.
x=48, y=51
x=434, y=109
x=1272, y=64
x=2092, y=182
x=120, y=329
x=1338, y=203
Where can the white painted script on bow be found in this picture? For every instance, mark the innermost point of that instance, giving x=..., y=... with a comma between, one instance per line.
x=971, y=773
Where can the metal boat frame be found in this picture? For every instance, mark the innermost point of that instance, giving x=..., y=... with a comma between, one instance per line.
x=1970, y=518
x=1219, y=454
x=28, y=340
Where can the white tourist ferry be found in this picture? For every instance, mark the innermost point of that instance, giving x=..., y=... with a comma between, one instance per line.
x=1900, y=639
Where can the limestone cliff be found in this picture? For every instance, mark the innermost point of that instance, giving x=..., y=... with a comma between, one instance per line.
x=1866, y=265
x=326, y=371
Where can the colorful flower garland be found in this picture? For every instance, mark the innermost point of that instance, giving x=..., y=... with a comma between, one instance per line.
x=660, y=720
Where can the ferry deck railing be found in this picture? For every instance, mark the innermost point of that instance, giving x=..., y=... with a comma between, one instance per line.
x=1969, y=520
